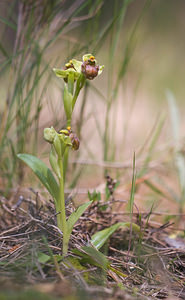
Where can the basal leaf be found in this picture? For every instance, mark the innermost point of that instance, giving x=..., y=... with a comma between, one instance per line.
x=73, y=218
x=43, y=173
x=92, y=256
x=99, y=238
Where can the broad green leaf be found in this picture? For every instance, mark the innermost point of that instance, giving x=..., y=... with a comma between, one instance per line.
x=43, y=173
x=99, y=238
x=93, y=256
x=73, y=218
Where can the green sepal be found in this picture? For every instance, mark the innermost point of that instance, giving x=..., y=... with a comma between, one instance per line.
x=65, y=73
x=60, y=73
x=100, y=69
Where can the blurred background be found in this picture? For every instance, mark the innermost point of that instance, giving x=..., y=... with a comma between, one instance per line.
x=136, y=105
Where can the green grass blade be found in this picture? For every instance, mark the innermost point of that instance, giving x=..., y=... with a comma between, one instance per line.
x=155, y=189
x=132, y=193
x=3, y=51
x=8, y=23
x=154, y=140
x=174, y=115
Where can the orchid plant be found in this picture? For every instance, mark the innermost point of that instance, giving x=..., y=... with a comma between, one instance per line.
x=74, y=75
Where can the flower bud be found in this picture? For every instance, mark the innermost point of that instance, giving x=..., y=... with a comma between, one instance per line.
x=49, y=134
x=68, y=66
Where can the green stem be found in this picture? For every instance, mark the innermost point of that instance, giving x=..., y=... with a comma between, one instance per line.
x=68, y=123
x=61, y=217
x=79, y=85
x=66, y=155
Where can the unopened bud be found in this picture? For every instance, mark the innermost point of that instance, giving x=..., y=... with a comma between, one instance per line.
x=49, y=134
x=69, y=65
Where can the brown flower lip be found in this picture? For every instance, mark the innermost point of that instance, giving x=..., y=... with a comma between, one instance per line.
x=74, y=140
x=89, y=69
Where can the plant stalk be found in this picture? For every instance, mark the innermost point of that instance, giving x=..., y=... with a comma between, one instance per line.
x=66, y=155
x=61, y=217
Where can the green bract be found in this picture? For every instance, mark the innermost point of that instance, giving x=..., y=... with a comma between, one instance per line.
x=77, y=65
